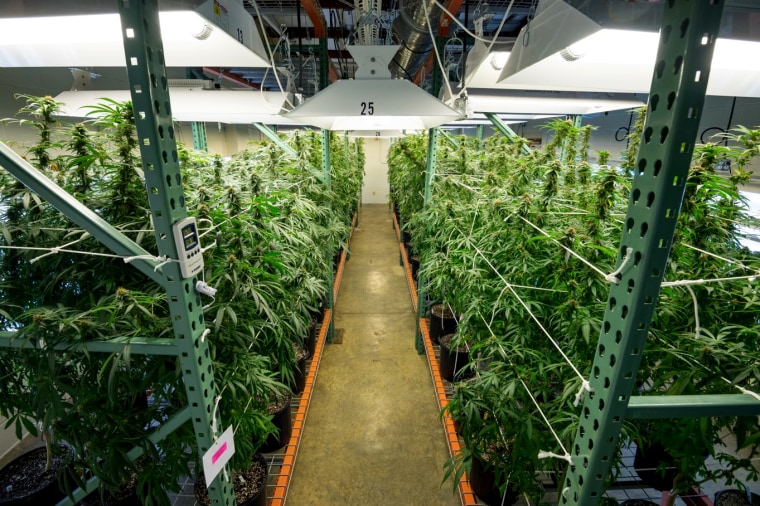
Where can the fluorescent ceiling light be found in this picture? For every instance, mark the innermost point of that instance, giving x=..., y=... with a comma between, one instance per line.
x=373, y=101
x=570, y=52
x=194, y=104
x=189, y=39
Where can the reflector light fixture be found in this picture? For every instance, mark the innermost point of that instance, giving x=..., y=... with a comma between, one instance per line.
x=567, y=50
x=95, y=40
x=194, y=104
x=373, y=101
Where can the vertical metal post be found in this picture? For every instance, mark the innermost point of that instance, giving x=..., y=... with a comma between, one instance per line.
x=324, y=63
x=150, y=98
x=327, y=179
x=199, y=135
x=421, y=294
x=687, y=38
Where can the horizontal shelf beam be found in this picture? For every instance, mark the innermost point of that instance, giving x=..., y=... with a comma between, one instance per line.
x=80, y=214
x=272, y=136
x=156, y=437
x=680, y=406
x=136, y=345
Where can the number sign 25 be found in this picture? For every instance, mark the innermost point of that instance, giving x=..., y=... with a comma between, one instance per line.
x=368, y=108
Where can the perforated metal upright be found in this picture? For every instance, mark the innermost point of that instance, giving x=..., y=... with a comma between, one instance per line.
x=687, y=39
x=429, y=175
x=150, y=98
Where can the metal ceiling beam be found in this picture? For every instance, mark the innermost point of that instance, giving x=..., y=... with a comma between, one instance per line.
x=317, y=17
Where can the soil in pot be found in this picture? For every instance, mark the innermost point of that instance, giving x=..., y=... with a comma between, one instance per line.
x=638, y=502
x=299, y=382
x=731, y=498
x=250, y=485
x=25, y=481
x=483, y=482
x=646, y=462
x=452, y=361
x=442, y=321
x=279, y=408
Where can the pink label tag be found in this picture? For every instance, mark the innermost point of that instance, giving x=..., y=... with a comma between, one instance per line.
x=218, y=453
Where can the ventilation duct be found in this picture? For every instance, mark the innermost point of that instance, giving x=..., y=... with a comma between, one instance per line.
x=410, y=30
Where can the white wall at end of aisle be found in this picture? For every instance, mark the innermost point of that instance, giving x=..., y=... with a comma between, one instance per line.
x=376, y=189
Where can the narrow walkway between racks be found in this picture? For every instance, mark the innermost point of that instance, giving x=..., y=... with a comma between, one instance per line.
x=373, y=436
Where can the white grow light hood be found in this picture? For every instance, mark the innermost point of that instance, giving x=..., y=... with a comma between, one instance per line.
x=565, y=49
x=194, y=104
x=373, y=101
x=94, y=40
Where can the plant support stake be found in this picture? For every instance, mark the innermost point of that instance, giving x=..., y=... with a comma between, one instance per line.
x=687, y=40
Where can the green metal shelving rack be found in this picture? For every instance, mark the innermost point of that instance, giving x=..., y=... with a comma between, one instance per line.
x=687, y=39
x=150, y=97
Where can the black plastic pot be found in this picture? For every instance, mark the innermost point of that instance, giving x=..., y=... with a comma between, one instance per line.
x=638, y=502
x=646, y=462
x=27, y=472
x=311, y=339
x=483, y=483
x=452, y=361
x=442, y=322
x=414, y=263
x=299, y=381
x=732, y=497
x=284, y=423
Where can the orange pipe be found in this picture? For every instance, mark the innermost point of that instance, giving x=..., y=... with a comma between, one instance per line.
x=317, y=18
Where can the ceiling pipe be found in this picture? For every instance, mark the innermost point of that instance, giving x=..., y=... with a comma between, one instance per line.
x=317, y=18
x=410, y=30
x=444, y=27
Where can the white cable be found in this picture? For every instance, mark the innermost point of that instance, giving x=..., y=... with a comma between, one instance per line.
x=727, y=260
x=533, y=316
x=698, y=327
x=686, y=282
x=206, y=332
x=435, y=49
x=576, y=255
x=748, y=392
x=58, y=249
x=566, y=456
x=271, y=53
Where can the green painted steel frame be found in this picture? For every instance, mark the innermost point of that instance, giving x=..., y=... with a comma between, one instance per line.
x=429, y=175
x=272, y=136
x=200, y=140
x=80, y=214
x=679, y=406
x=138, y=345
x=166, y=428
x=687, y=37
x=505, y=130
x=149, y=91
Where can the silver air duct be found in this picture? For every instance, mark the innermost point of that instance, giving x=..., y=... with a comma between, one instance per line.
x=410, y=30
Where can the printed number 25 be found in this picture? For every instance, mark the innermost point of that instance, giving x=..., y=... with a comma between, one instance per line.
x=368, y=108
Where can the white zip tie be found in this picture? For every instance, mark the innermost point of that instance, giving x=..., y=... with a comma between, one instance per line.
x=612, y=277
x=546, y=455
x=748, y=392
x=585, y=387
x=205, y=333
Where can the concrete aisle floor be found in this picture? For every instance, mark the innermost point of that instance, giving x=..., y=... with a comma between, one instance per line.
x=372, y=435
